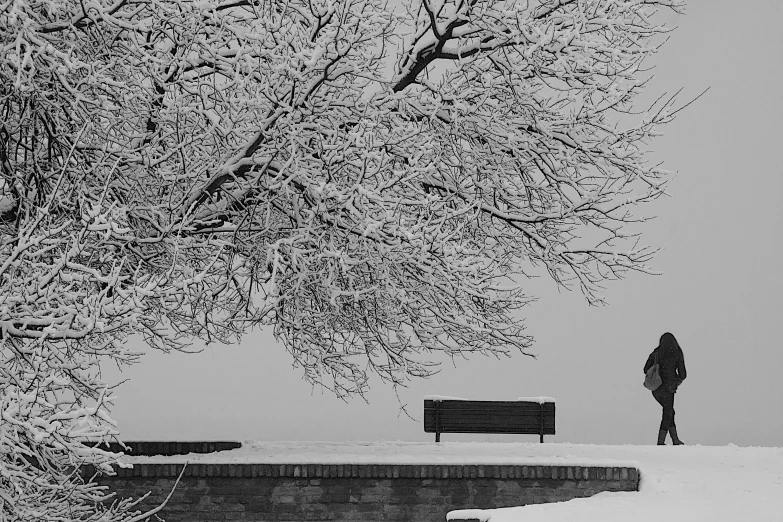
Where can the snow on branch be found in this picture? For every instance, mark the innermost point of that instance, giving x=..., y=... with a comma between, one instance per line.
x=373, y=185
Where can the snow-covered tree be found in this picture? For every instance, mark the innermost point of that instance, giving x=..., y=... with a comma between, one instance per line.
x=372, y=180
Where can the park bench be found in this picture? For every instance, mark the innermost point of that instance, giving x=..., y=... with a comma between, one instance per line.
x=526, y=416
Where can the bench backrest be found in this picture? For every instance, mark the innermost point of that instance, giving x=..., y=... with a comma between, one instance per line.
x=462, y=416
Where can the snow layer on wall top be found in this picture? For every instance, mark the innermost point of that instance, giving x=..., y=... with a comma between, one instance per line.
x=386, y=452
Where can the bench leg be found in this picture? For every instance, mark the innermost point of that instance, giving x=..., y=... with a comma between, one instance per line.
x=437, y=421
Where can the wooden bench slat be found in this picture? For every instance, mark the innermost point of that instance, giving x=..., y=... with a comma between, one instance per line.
x=476, y=419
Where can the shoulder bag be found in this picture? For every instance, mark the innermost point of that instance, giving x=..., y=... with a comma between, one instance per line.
x=652, y=380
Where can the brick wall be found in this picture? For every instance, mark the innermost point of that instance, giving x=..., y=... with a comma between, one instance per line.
x=290, y=492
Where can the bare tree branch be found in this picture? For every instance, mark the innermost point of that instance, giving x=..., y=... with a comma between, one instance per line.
x=190, y=170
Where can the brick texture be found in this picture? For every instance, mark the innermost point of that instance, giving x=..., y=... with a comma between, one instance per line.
x=346, y=492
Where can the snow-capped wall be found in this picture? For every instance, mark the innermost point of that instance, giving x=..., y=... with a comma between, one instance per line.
x=342, y=492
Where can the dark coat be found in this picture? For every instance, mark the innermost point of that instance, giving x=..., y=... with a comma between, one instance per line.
x=671, y=367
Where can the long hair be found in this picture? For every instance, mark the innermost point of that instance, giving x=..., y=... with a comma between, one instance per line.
x=668, y=345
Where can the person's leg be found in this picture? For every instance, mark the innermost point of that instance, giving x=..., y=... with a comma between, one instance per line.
x=667, y=401
x=660, y=396
x=673, y=427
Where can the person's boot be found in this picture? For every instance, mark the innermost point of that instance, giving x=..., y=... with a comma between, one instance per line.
x=675, y=439
x=661, y=437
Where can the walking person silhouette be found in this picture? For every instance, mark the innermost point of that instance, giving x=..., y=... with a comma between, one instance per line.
x=668, y=355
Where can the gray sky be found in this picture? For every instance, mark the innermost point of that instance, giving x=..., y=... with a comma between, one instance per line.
x=721, y=295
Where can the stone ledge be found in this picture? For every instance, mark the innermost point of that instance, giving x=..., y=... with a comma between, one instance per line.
x=380, y=471
x=151, y=448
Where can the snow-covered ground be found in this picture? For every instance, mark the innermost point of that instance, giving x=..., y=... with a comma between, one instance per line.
x=678, y=484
